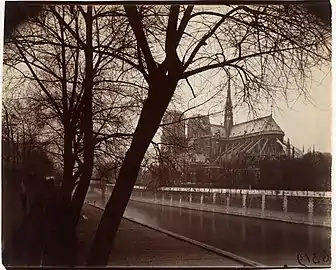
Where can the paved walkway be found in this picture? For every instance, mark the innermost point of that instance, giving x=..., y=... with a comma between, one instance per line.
x=249, y=212
x=137, y=245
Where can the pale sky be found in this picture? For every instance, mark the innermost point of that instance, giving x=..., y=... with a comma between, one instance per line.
x=306, y=123
x=310, y=124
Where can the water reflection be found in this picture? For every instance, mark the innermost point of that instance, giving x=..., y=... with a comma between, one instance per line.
x=227, y=226
x=310, y=232
x=269, y=242
x=161, y=212
x=201, y=220
x=213, y=224
x=149, y=218
x=243, y=231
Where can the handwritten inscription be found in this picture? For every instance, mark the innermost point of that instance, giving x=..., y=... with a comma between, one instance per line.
x=314, y=258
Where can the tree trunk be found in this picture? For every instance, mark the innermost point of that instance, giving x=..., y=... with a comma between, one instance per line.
x=72, y=214
x=159, y=96
x=59, y=226
x=81, y=190
x=61, y=245
x=69, y=132
x=58, y=248
x=68, y=158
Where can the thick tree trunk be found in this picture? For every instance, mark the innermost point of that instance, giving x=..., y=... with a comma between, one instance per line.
x=59, y=228
x=67, y=186
x=58, y=248
x=81, y=190
x=160, y=94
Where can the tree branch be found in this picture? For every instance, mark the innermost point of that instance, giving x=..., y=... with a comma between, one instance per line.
x=203, y=40
x=136, y=24
x=230, y=62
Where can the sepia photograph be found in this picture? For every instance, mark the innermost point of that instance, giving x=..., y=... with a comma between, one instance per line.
x=166, y=134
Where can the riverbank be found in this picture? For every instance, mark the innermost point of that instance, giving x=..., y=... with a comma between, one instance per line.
x=254, y=213
x=137, y=245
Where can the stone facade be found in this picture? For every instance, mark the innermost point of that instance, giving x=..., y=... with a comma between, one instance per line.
x=210, y=149
x=258, y=138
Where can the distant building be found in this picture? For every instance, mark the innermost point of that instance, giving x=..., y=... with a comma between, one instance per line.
x=173, y=137
x=198, y=126
x=258, y=138
x=210, y=151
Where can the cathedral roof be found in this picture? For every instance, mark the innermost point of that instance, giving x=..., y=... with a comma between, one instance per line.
x=260, y=125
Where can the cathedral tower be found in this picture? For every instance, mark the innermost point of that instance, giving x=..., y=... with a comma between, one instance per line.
x=228, y=116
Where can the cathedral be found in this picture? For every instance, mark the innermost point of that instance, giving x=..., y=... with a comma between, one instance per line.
x=216, y=147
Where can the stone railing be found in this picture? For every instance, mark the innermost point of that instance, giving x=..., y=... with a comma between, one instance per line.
x=305, y=205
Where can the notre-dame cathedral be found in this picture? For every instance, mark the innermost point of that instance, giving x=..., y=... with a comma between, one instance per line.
x=214, y=147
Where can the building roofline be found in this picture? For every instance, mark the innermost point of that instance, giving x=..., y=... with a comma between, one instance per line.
x=248, y=135
x=253, y=120
x=256, y=134
x=241, y=123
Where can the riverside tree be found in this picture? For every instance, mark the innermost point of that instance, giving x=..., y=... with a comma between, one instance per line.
x=267, y=49
x=264, y=49
x=65, y=92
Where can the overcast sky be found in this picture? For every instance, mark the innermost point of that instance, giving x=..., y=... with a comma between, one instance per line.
x=308, y=124
x=305, y=123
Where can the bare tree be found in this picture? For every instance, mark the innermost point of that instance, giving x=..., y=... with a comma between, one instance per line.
x=266, y=50
x=17, y=14
x=263, y=46
x=78, y=109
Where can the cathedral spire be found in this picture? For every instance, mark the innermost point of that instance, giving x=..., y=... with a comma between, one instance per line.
x=228, y=116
